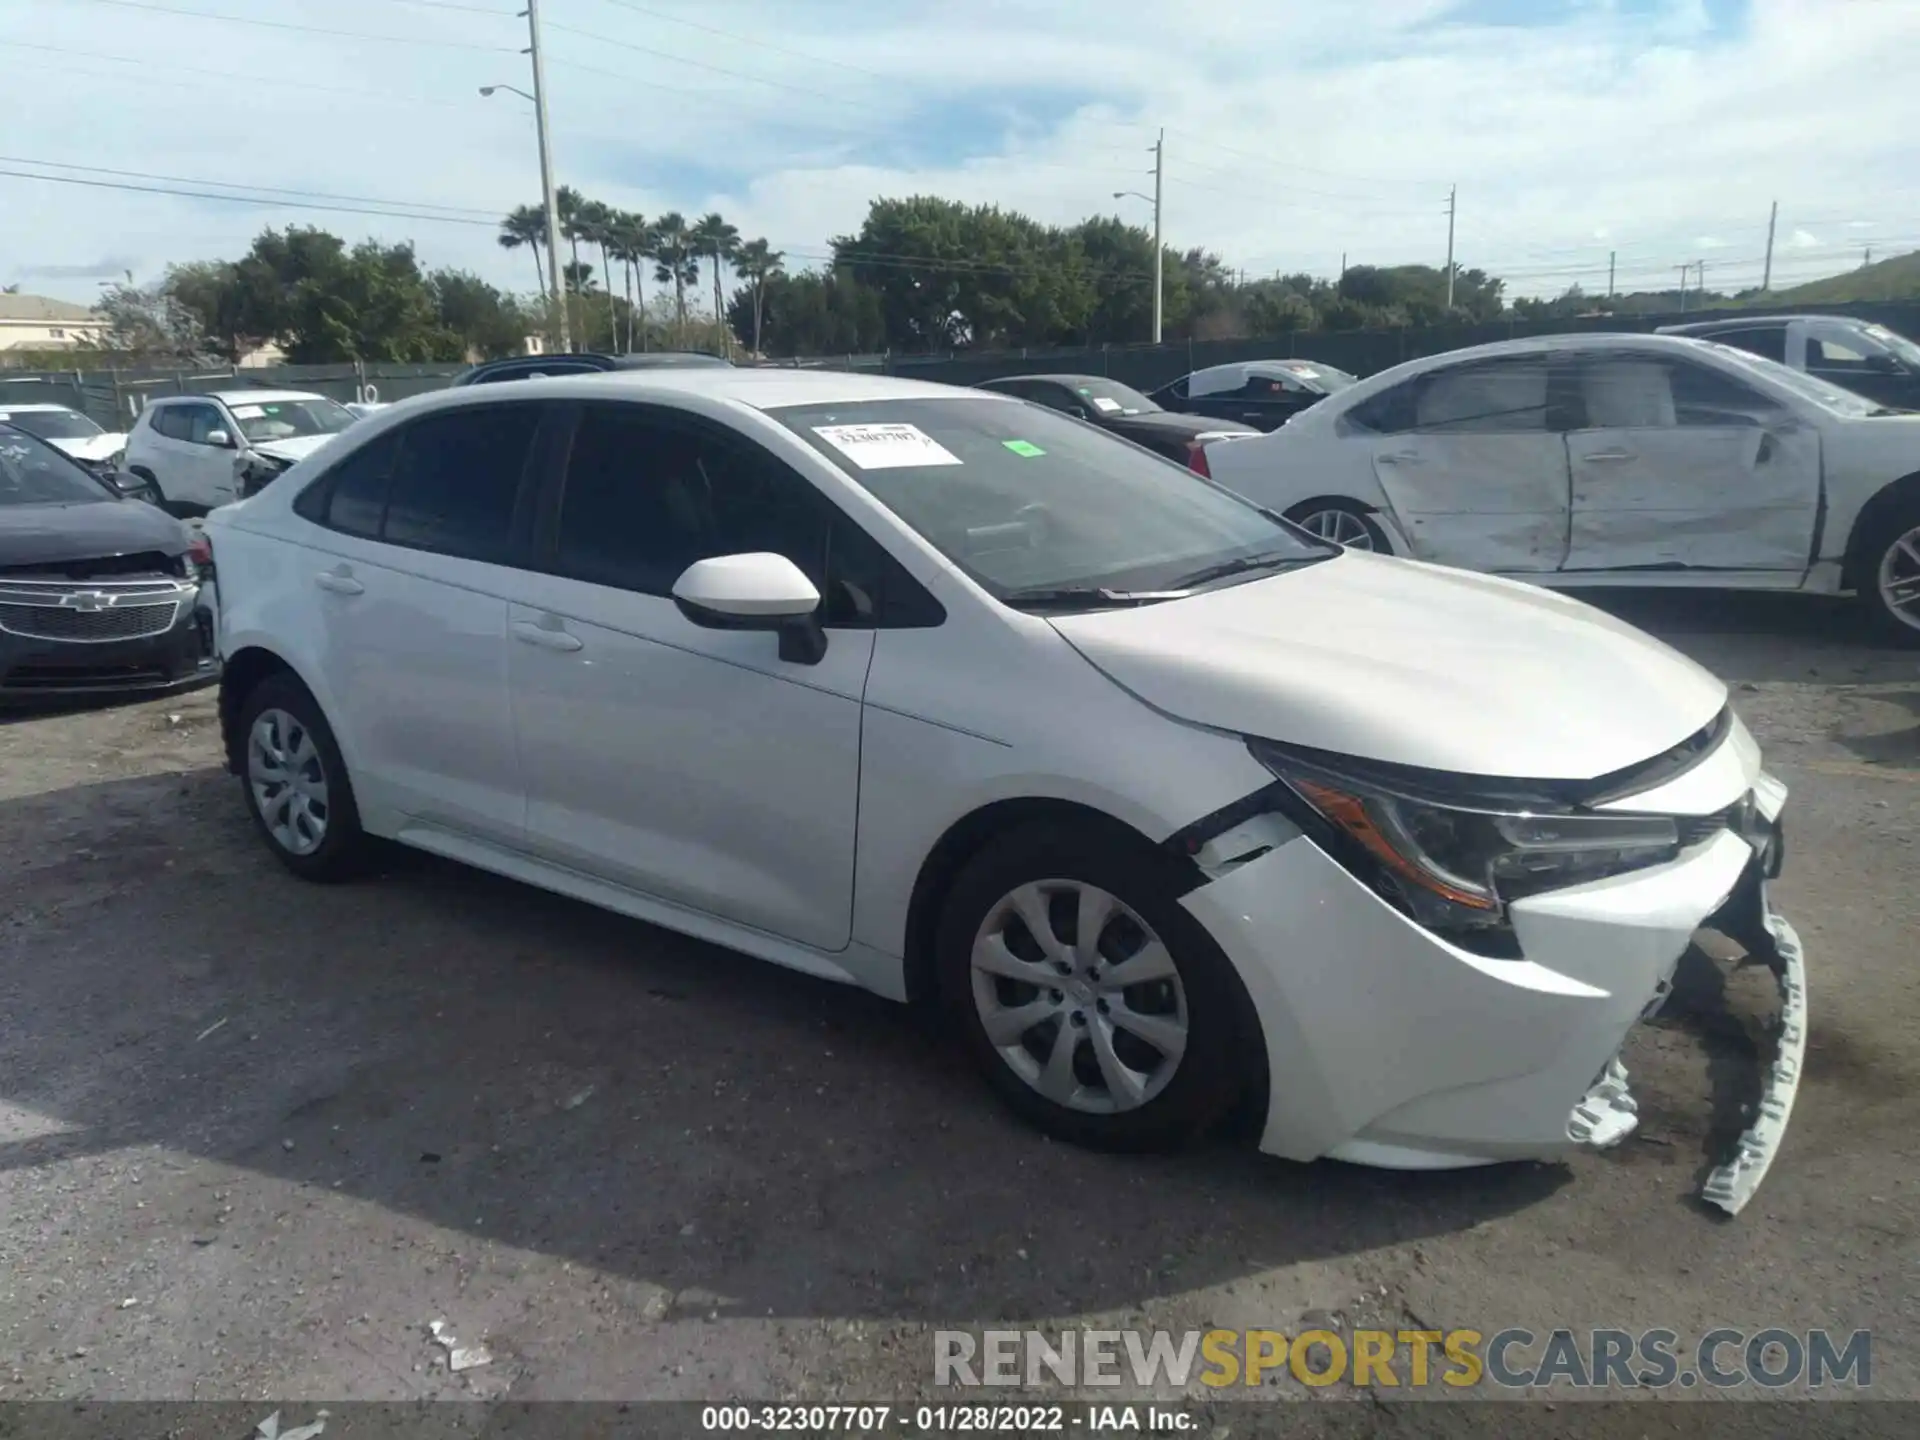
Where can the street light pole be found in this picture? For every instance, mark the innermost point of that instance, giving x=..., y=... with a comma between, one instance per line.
x=1159, y=258
x=547, y=195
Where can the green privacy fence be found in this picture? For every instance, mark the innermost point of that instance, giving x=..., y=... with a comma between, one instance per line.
x=113, y=396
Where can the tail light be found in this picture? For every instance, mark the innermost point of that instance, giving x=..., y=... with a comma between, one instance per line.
x=200, y=553
x=1197, y=460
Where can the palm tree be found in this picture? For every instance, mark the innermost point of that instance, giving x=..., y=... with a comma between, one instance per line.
x=759, y=262
x=678, y=263
x=596, y=228
x=566, y=203
x=715, y=239
x=527, y=225
x=633, y=243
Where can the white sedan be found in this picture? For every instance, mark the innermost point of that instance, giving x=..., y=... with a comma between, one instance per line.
x=69, y=432
x=953, y=697
x=1583, y=460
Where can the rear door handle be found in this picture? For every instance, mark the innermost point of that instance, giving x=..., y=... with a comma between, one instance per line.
x=340, y=582
x=545, y=636
x=1609, y=457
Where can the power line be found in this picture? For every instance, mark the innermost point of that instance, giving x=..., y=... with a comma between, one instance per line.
x=148, y=5
x=265, y=200
x=227, y=75
x=228, y=185
x=599, y=39
x=739, y=38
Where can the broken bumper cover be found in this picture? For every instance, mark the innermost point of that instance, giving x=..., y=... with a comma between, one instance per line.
x=1731, y=1185
x=1387, y=1045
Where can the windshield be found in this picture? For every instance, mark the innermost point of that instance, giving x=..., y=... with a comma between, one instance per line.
x=1896, y=345
x=1110, y=397
x=51, y=424
x=33, y=473
x=1831, y=397
x=1330, y=377
x=1027, y=500
x=265, y=421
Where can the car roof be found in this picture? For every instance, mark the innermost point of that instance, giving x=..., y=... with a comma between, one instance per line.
x=1061, y=379
x=766, y=388
x=236, y=397
x=37, y=407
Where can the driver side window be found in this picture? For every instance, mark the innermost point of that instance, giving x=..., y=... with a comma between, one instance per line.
x=203, y=421
x=646, y=495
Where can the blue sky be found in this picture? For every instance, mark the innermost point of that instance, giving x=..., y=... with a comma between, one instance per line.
x=1297, y=131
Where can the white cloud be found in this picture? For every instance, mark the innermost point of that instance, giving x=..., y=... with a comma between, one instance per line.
x=1296, y=132
x=1803, y=240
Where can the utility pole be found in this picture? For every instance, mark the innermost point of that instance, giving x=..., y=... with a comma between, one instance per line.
x=547, y=195
x=1683, y=269
x=1766, y=275
x=1610, y=257
x=1866, y=257
x=1452, y=193
x=1159, y=257
x=1343, y=264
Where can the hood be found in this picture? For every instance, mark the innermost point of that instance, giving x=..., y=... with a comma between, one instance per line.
x=1169, y=423
x=91, y=447
x=294, y=447
x=88, y=530
x=1409, y=663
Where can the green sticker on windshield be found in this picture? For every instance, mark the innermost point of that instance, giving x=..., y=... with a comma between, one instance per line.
x=1024, y=448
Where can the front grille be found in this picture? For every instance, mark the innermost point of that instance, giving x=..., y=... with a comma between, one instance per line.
x=1696, y=828
x=114, y=622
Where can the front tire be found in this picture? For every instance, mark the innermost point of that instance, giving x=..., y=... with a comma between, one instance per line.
x=1890, y=574
x=296, y=783
x=1097, y=1008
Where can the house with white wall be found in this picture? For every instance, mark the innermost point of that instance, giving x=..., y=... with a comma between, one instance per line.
x=34, y=322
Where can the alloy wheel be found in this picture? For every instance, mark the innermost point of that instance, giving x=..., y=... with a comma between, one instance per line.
x=1899, y=578
x=1343, y=527
x=1079, y=997
x=288, y=781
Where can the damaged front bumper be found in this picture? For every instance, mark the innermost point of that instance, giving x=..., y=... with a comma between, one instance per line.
x=1387, y=1045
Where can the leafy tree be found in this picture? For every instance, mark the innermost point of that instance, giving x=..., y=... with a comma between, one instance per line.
x=483, y=321
x=677, y=262
x=152, y=323
x=758, y=263
x=717, y=241
x=812, y=313
x=527, y=225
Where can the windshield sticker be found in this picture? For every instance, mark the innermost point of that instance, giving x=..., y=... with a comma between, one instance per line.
x=1104, y=405
x=886, y=447
x=1023, y=448
x=248, y=412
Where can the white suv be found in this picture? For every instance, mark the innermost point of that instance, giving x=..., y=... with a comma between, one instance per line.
x=946, y=695
x=197, y=451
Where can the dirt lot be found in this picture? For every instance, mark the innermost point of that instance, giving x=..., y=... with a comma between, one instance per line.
x=254, y=1135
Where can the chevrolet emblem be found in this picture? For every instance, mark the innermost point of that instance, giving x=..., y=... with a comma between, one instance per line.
x=88, y=600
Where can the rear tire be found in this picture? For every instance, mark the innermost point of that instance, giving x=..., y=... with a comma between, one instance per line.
x=1345, y=522
x=296, y=783
x=1076, y=1047
x=1889, y=574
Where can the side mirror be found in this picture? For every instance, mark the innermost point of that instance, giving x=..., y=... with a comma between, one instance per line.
x=755, y=592
x=125, y=483
x=220, y=439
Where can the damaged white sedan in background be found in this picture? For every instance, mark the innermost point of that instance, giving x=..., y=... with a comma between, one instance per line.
x=1587, y=460
x=953, y=697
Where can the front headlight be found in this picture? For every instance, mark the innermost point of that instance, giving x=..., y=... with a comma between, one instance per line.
x=1455, y=865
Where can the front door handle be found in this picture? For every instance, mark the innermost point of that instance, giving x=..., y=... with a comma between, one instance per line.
x=1400, y=457
x=547, y=637
x=1609, y=457
x=340, y=581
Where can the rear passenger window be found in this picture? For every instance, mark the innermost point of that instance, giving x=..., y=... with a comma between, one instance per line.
x=457, y=480
x=352, y=497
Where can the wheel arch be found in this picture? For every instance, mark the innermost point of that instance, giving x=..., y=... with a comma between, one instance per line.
x=1905, y=490
x=964, y=839
x=1379, y=513
x=240, y=675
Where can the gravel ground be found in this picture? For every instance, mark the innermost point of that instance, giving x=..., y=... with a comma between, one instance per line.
x=255, y=1135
